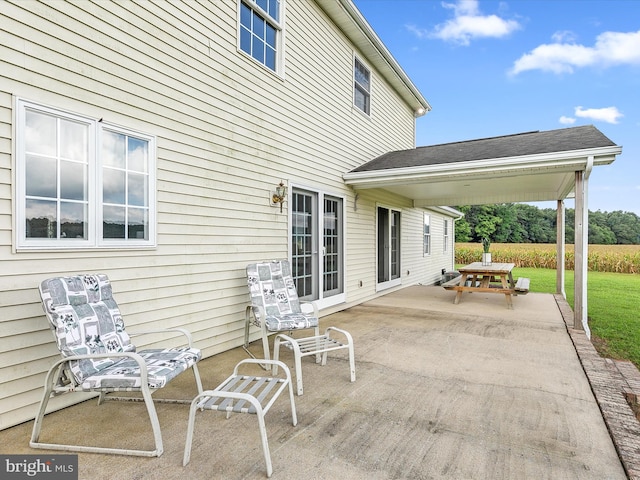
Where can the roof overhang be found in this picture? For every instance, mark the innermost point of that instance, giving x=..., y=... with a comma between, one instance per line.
x=350, y=21
x=528, y=178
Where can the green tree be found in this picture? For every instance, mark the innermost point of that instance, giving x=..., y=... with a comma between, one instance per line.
x=625, y=226
x=523, y=223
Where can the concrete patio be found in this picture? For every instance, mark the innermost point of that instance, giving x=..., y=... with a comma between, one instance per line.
x=468, y=391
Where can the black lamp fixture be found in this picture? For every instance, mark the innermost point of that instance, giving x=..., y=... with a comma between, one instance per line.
x=280, y=195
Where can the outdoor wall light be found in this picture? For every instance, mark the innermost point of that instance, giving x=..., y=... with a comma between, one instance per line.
x=280, y=195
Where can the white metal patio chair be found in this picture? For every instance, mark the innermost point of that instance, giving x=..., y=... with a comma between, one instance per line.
x=275, y=307
x=242, y=393
x=98, y=356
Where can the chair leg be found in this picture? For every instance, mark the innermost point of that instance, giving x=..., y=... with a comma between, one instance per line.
x=265, y=443
x=37, y=426
x=247, y=321
x=294, y=415
x=196, y=374
x=190, y=428
x=352, y=361
x=316, y=333
x=265, y=341
x=297, y=358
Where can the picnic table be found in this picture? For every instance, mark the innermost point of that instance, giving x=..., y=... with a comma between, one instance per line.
x=491, y=278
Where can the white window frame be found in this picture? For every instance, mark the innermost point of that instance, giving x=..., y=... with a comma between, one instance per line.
x=357, y=86
x=445, y=236
x=335, y=299
x=426, y=231
x=94, y=201
x=277, y=24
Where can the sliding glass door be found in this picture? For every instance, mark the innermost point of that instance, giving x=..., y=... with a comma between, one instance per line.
x=388, y=248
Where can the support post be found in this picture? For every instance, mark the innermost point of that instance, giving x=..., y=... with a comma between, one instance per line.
x=580, y=310
x=560, y=249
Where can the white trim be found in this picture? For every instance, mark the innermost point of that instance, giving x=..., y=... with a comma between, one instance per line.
x=339, y=298
x=355, y=59
x=278, y=25
x=93, y=185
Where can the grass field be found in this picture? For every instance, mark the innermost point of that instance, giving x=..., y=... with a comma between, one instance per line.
x=613, y=297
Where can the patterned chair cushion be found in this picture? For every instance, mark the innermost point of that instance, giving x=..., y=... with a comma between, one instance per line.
x=86, y=320
x=271, y=286
x=162, y=366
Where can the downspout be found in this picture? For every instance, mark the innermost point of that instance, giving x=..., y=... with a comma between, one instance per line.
x=453, y=250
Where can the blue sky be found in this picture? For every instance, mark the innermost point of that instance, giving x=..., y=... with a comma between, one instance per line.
x=495, y=68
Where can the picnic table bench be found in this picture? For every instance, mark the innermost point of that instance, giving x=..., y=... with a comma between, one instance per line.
x=493, y=278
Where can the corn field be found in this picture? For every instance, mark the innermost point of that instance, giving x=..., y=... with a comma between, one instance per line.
x=601, y=258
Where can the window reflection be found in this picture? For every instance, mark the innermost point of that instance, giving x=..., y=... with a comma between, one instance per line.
x=113, y=149
x=137, y=189
x=73, y=140
x=40, y=133
x=138, y=154
x=41, y=176
x=41, y=219
x=57, y=179
x=73, y=180
x=113, y=222
x=113, y=184
x=73, y=220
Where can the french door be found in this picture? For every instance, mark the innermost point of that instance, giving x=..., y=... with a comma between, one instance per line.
x=317, y=246
x=388, y=248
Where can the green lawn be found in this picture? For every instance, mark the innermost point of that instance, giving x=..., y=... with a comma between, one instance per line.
x=613, y=308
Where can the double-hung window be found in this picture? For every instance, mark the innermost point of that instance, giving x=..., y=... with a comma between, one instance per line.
x=361, y=86
x=260, y=30
x=427, y=235
x=81, y=183
x=445, y=239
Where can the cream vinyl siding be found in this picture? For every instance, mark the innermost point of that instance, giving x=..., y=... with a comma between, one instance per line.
x=227, y=130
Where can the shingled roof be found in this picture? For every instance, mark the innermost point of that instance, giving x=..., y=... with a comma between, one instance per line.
x=517, y=145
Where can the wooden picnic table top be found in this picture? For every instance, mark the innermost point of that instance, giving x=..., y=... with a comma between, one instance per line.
x=494, y=268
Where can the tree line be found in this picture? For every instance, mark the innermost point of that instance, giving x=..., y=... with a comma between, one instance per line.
x=523, y=223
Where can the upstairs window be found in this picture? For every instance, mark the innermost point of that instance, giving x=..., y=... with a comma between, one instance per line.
x=82, y=183
x=260, y=30
x=361, y=86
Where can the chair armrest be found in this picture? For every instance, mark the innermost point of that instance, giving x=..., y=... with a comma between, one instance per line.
x=314, y=305
x=182, y=331
x=346, y=334
x=133, y=355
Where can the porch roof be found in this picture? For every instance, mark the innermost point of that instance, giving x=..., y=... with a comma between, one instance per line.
x=524, y=167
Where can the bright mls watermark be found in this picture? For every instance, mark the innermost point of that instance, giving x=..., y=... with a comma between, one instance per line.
x=50, y=467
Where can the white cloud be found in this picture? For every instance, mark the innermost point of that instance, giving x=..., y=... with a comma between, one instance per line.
x=563, y=56
x=608, y=114
x=564, y=36
x=567, y=120
x=467, y=24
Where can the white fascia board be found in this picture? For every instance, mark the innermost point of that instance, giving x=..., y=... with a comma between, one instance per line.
x=448, y=211
x=569, y=161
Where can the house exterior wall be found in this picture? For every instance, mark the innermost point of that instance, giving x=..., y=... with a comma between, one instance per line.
x=227, y=131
